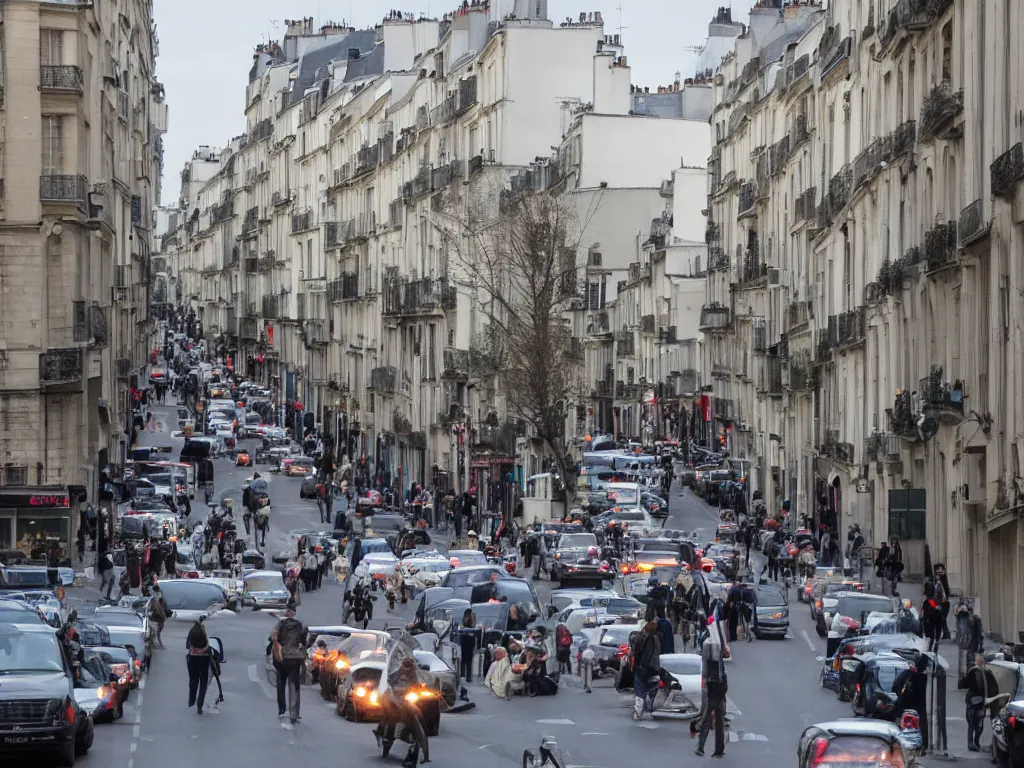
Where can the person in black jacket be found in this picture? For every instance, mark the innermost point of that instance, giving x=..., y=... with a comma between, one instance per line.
x=980, y=685
x=911, y=688
x=645, y=653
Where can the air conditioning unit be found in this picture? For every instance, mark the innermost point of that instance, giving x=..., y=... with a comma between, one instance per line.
x=777, y=277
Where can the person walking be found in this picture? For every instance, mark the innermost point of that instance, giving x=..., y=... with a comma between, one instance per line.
x=713, y=655
x=469, y=640
x=158, y=614
x=980, y=684
x=198, y=660
x=288, y=641
x=106, y=568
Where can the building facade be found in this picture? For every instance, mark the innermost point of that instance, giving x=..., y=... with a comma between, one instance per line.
x=862, y=319
x=81, y=122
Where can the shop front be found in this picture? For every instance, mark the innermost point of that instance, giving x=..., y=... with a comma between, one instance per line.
x=34, y=517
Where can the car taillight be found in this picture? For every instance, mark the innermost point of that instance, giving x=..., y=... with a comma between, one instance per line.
x=820, y=747
x=69, y=713
x=847, y=621
x=910, y=721
x=817, y=604
x=623, y=650
x=1011, y=721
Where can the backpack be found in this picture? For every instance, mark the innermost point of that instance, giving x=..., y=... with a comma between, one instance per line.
x=289, y=636
x=562, y=636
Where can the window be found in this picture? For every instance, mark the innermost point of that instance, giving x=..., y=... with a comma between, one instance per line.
x=907, y=514
x=309, y=258
x=51, y=47
x=13, y=475
x=53, y=145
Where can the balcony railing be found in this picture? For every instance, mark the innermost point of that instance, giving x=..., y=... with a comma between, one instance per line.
x=300, y=222
x=747, y=199
x=852, y=327
x=802, y=376
x=625, y=344
x=940, y=246
x=752, y=271
x=271, y=307
x=247, y=329
x=384, y=379
x=771, y=376
x=64, y=188
x=467, y=93
x=717, y=259
x=715, y=317
x=971, y=225
x=902, y=420
x=779, y=154
x=456, y=364
x=800, y=134
x=1007, y=171
x=415, y=297
x=344, y=288
x=252, y=220
x=803, y=207
x=941, y=106
x=941, y=395
x=61, y=77
x=904, y=138
x=61, y=366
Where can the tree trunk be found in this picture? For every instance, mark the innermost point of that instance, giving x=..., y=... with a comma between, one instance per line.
x=564, y=471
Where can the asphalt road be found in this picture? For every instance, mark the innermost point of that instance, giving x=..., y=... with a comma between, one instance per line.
x=773, y=684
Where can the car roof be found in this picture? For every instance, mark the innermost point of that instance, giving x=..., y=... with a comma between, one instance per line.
x=36, y=629
x=859, y=727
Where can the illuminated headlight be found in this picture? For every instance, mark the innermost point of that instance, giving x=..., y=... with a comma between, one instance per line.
x=777, y=615
x=342, y=664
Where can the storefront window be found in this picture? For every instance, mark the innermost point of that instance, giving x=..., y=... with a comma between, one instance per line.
x=35, y=529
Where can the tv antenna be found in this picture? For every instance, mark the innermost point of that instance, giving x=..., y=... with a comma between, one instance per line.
x=619, y=9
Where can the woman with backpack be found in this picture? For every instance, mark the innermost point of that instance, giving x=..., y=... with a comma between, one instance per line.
x=563, y=652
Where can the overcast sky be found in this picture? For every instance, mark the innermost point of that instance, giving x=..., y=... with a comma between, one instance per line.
x=206, y=51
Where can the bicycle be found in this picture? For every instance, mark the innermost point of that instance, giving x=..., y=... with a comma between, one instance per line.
x=545, y=757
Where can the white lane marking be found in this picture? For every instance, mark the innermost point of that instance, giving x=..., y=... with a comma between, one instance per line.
x=485, y=746
x=594, y=733
x=556, y=722
x=137, y=725
x=254, y=676
x=807, y=639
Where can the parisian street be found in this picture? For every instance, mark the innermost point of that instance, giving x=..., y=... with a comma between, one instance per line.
x=773, y=686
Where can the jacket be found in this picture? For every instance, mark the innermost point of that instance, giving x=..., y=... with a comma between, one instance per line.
x=979, y=684
x=645, y=654
x=290, y=635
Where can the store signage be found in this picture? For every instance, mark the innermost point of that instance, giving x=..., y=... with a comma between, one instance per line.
x=49, y=501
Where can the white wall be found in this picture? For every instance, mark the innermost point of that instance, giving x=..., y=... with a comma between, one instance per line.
x=618, y=219
x=639, y=151
x=611, y=86
x=544, y=66
x=689, y=199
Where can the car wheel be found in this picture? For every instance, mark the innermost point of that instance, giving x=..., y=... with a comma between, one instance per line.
x=1016, y=758
x=65, y=757
x=118, y=712
x=432, y=727
x=820, y=629
x=83, y=740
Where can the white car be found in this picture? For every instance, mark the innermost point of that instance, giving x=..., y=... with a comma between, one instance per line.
x=685, y=669
x=376, y=564
x=424, y=572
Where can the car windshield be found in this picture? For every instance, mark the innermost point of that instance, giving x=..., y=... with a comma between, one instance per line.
x=265, y=583
x=375, y=546
x=659, y=546
x=114, y=655
x=620, y=496
x=22, y=652
x=490, y=615
x=20, y=616
x=118, y=619
x=577, y=541
x=855, y=607
x=469, y=557
x=361, y=646
x=770, y=597
x=629, y=516
x=887, y=674
x=160, y=478
x=431, y=566
x=617, y=635
x=616, y=605
x=195, y=596
x=304, y=462
x=857, y=751
x=682, y=665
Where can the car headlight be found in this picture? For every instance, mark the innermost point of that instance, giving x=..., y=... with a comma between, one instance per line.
x=374, y=699
x=341, y=664
x=101, y=692
x=777, y=615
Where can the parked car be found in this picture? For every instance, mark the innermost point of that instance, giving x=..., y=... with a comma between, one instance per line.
x=1008, y=721
x=856, y=742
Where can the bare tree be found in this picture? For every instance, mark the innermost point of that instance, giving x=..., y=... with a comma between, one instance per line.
x=522, y=259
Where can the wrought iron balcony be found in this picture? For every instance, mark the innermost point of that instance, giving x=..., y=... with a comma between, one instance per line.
x=752, y=271
x=912, y=15
x=802, y=375
x=837, y=56
x=941, y=106
x=61, y=366
x=902, y=419
x=771, y=377
x=839, y=188
x=800, y=312
x=800, y=134
x=415, y=297
x=852, y=328
x=605, y=389
x=747, y=199
x=64, y=188
x=467, y=93
x=717, y=259
x=971, y=225
x=456, y=364
x=384, y=379
x=803, y=207
x=61, y=77
x=271, y=306
x=940, y=246
x=940, y=395
x=1007, y=171
x=720, y=370
x=715, y=317
x=367, y=159
x=779, y=155
x=904, y=138
x=300, y=222
x=252, y=219
x=625, y=344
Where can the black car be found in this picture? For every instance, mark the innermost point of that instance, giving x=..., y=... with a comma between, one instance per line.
x=38, y=711
x=772, y=612
x=571, y=564
x=868, y=681
x=1008, y=720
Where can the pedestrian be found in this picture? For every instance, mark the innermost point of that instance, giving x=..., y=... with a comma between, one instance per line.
x=198, y=660
x=308, y=566
x=980, y=684
x=665, y=633
x=563, y=651
x=105, y=563
x=469, y=640
x=713, y=655
x=158, y=614
x=646, y=662
x=288, y=641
